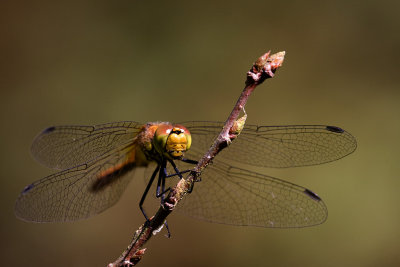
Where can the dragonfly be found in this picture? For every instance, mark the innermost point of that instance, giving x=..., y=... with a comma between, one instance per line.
x=95, y=165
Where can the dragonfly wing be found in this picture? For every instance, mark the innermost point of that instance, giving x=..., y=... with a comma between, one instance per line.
x=235, y=196
x=62, y=147
x=292, y=145
x=277, y=146
x=78, y=192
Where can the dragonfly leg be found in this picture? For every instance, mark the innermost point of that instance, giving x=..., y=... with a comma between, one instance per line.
x=161, y=182
x=147, y=190
x=177, y=171
x=190, y=161
x=166, y=226
x=197, y=179
x=163, y=175
x=175, y=174
x=195, y=162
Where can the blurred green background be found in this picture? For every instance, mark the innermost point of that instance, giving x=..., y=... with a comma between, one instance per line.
x=89, y=62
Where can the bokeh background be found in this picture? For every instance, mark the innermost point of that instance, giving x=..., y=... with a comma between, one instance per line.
x=89, y=62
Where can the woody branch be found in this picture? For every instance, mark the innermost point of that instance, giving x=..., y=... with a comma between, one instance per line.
x=264, y=68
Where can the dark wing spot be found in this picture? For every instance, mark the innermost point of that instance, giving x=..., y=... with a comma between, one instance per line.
x=27, y=188
x=312, y=195
x=49, y=130
x=334, y=129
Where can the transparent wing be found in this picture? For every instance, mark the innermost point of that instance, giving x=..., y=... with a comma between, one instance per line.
x=62, y=147
x=76, y=193
x=235, y=196
x=276, y=146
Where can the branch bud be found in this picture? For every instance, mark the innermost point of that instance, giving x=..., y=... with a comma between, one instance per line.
x=265, y=67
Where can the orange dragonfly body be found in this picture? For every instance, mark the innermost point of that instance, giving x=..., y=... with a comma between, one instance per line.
x=94, y=163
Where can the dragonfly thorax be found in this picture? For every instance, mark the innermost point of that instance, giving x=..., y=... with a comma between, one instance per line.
x=172, y=141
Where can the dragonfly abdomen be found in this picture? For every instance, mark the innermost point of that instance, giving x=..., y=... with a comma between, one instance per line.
x=111, y=176
x=135, y=158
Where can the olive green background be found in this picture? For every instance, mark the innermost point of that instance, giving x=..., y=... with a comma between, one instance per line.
x=89, y=62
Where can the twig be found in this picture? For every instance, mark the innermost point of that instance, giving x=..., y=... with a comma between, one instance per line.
x=262, y=69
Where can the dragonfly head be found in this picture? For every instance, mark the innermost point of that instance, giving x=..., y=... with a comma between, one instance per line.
x=172, y=140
